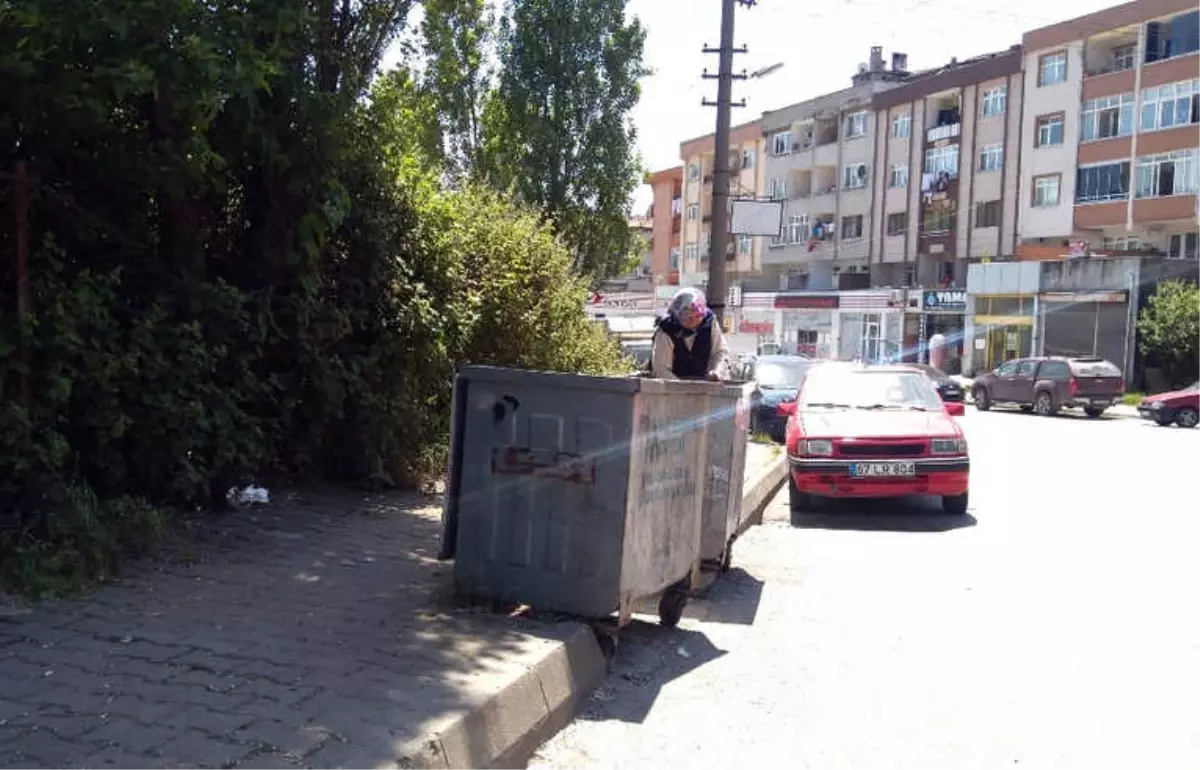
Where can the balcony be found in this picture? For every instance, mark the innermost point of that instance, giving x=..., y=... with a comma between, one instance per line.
x=938, y=133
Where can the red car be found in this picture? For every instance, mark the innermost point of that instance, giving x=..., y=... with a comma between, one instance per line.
x=874, y=432
x=1181, y=407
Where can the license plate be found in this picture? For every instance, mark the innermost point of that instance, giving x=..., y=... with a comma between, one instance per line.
x=882, y=470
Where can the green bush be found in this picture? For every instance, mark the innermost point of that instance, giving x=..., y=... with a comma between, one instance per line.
x=238, y=268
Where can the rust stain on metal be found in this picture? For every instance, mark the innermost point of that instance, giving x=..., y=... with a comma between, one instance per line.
x=543, y=463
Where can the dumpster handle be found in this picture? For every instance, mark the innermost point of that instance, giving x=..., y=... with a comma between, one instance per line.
x=498, y=409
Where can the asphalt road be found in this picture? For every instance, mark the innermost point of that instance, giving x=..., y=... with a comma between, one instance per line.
x=1055, y=626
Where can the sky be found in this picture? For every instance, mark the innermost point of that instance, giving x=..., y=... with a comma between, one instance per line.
x=819, y=42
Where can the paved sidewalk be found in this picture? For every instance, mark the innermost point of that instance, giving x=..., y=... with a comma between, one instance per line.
x=294, y=637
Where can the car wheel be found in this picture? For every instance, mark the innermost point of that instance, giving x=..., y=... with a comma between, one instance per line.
x=798, y=502
x=955, y=505
x=983, y=401
x=1043, y=404
x=1092, y=411
x=1187, y=417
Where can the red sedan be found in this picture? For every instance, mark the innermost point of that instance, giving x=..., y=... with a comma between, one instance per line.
x=874, y=432
x=1181, y=407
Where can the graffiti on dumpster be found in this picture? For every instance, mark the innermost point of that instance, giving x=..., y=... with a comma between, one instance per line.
x=665, y=475
x=543, y=463
x=718, y=483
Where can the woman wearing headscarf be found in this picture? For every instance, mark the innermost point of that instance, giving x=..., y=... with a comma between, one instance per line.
x=689, y=344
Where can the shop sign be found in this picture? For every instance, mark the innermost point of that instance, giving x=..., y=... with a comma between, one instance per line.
x=756, y=327
x=806, y=302
x=1096, y=296
x=945, y=301
x=600, y=301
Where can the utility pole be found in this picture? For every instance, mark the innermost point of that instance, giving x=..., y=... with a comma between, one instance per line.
x=718, y=288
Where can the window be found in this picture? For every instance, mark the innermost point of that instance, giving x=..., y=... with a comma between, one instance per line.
x=939, y=159
x=854, y=176
x=690, y=252
x=1102, y=182
x=856, y=125
x=674, y=261
x=693, y=211
x=693, y=172
x=991, y=157
x=744, y=244
x=1045, y=190
x=1052, y=69
x=1050, y=129
x=1175, y=104
x=1123, y=57
x=1174, y=37
x=901, y=126
x=748, y=159
x=1121, y=243
x=938, y=221
x=1184, y=246
x=852, y=227
x=781, y=143
x=994, y=101
x=777, y=189
x=1171, y=173
x=898, y=176
x=797, y=228
x=707, y=249
x=1026, y=369
x=1008, y=369
x=897, y=223
x=1107, y=117
x=987, y=214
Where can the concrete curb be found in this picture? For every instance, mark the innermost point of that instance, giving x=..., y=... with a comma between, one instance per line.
x=759, y=492
x=507, y=728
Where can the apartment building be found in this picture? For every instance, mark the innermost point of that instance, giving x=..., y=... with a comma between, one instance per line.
x=666, y=217
x=1111, y=133
x=745, y=156
x=820, y=162
x=947, y=148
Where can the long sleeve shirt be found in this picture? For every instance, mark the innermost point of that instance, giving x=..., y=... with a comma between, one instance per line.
x=663, y=354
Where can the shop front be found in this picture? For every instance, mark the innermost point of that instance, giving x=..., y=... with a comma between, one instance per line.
x=1087, y=324
x=1002, y=328
x=806, y=323
x=870, y=325
x=936, y=316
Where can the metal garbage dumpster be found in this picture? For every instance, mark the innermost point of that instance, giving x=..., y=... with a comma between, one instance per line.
x=728, y=417
x=574, y=493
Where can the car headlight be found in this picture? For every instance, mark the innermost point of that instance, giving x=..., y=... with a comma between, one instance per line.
x=1153, y=405
x=948, y=446
x=821, y=446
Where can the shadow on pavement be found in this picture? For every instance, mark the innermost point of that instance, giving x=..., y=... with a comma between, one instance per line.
x=910, y=514
x=649, y=658
x=733, y=598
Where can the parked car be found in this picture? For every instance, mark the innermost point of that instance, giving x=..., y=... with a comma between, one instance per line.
x=1047, y=384
x=639, y=350
x=776, y=379
x=948, y=389
x=879, y=431
x=1181, y=407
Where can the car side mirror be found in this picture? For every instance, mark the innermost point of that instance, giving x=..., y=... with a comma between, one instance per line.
x=787, y=408
x=954, y=409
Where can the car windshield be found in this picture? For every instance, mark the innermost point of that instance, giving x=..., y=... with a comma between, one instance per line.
x=780, y=374
x=866, y=389
x=1095, y=368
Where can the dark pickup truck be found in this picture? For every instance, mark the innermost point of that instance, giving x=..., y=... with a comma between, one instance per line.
x=1049, y=383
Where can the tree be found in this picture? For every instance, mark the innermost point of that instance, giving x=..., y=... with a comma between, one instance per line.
x=458, y=38
x=557, y=128
x=1169, y=325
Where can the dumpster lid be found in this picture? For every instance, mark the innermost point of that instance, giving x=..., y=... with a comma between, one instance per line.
x=500, y=374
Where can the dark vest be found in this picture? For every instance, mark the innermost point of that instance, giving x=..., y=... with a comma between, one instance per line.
x=689, y=364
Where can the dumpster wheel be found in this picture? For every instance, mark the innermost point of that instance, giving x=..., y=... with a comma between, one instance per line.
x=671, y=606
